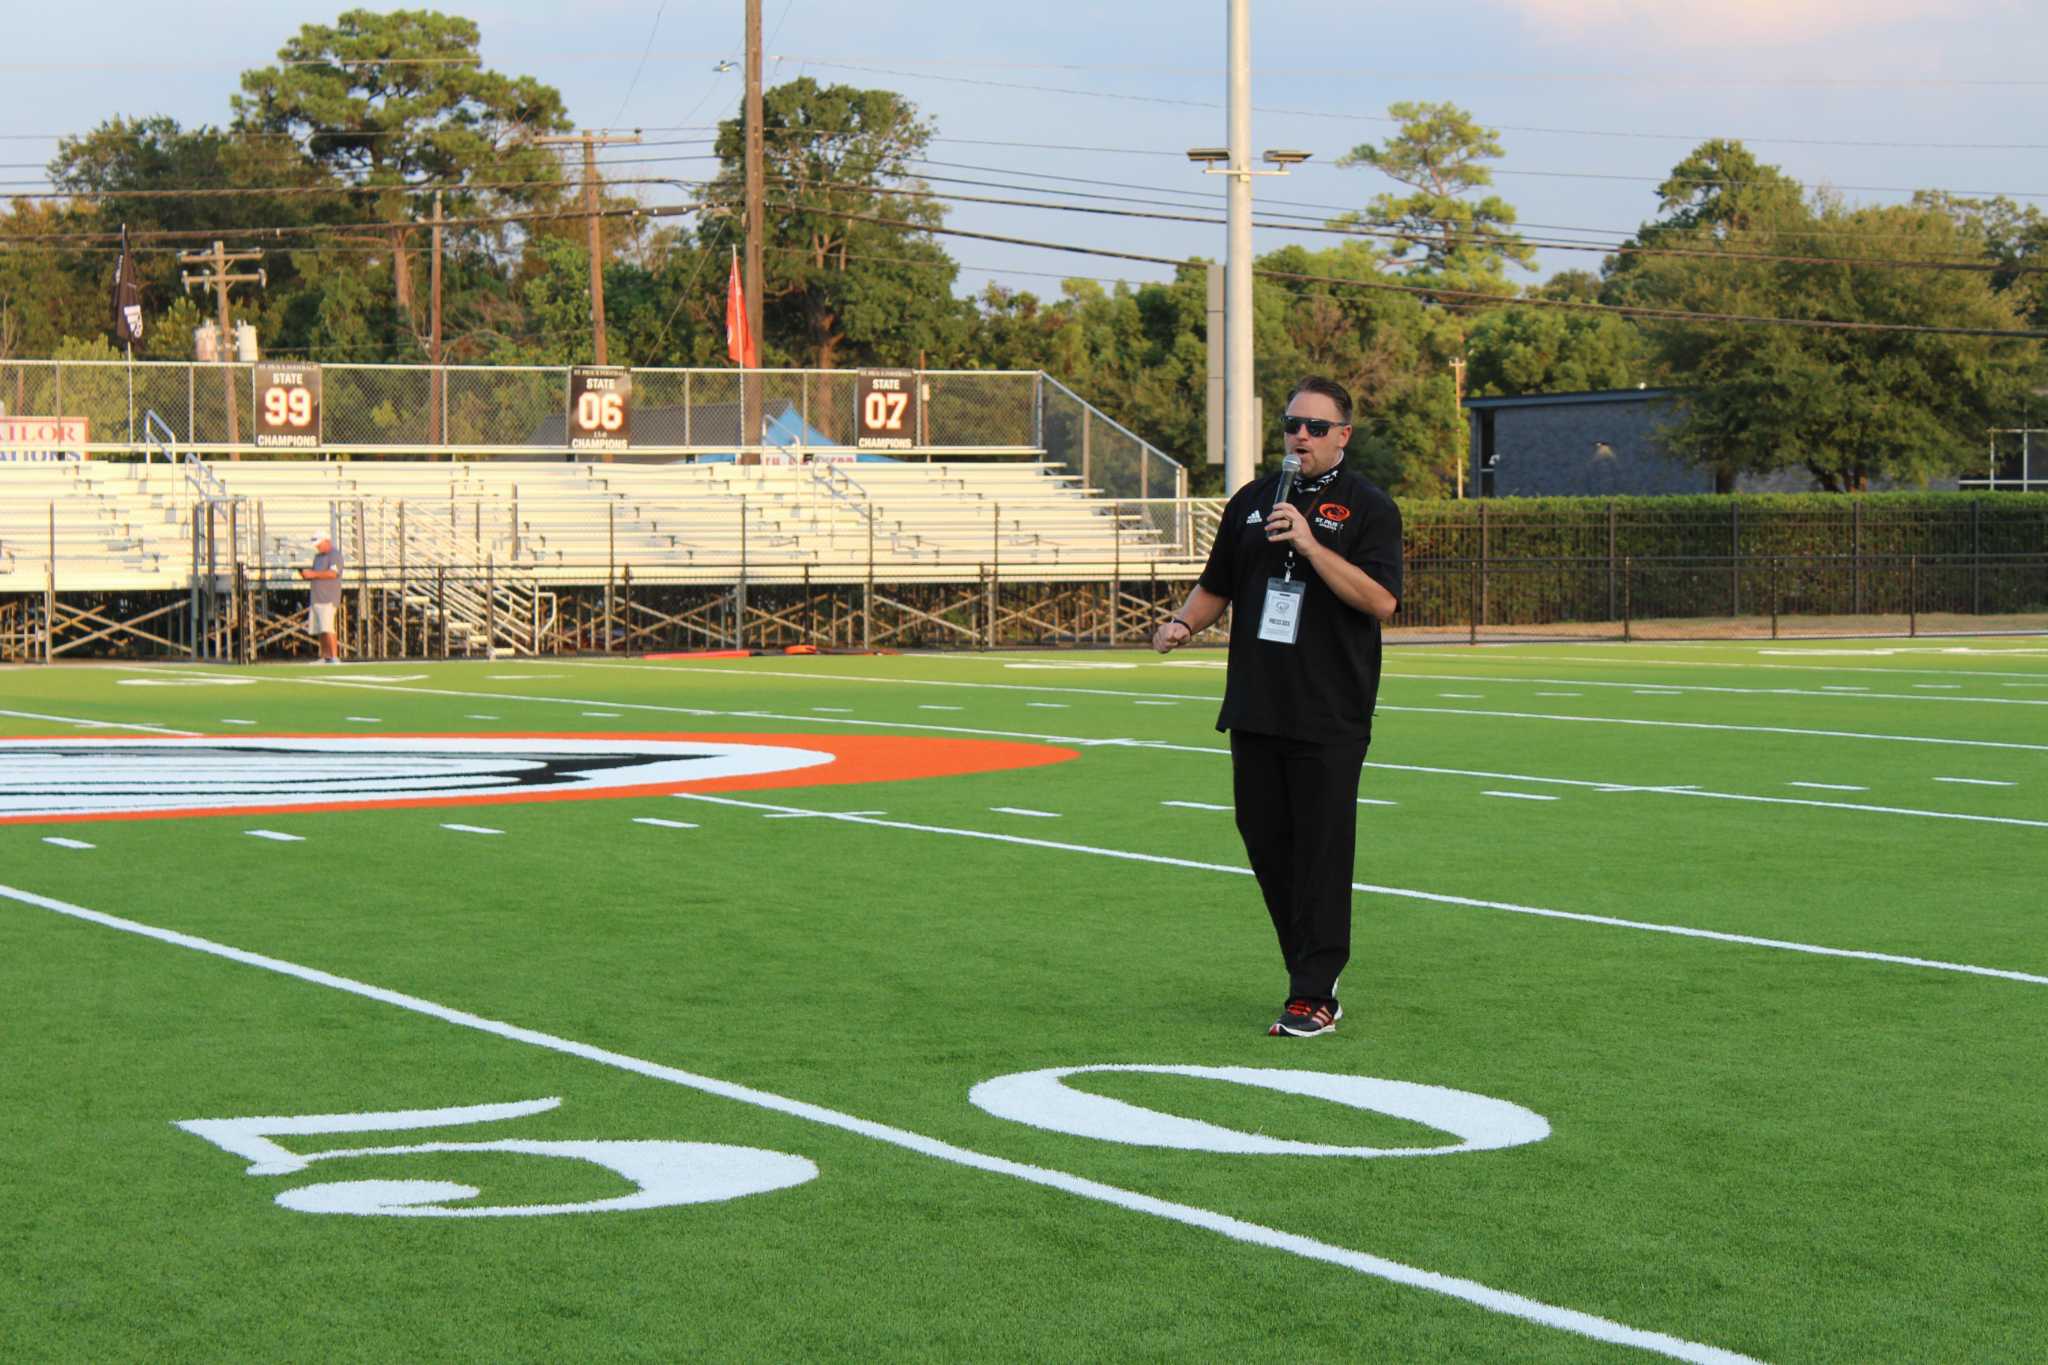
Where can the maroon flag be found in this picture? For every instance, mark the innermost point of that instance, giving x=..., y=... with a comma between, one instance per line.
x=127, y=297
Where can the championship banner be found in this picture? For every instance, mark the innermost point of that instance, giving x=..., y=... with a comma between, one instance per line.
x=38, y=440
x=888, y=409
x=600, y=408
x=287, y=406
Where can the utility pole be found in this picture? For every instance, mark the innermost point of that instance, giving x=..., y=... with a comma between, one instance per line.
x=219, y=259
x=750, y=431
x=438, y=398
x=1241, y=444
x=1241, y=450
x=591, y=142
x=1464, y=426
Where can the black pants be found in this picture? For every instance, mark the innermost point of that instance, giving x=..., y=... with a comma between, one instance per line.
x=1297, y=809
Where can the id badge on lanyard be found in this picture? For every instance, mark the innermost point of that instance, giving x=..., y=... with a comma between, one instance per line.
x=1281, y=621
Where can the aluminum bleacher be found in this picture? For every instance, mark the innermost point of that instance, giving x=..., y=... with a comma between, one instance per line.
x=131, y=524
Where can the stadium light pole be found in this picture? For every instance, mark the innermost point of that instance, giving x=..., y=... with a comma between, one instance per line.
x=1241, y=436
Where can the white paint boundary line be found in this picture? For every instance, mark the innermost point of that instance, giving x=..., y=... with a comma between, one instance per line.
x=103, y=724
x=1400, y=892
x=1469, y=1291
x=1492, y=654
x=1165, y=746
x=1680, y=688
x=1101, y=692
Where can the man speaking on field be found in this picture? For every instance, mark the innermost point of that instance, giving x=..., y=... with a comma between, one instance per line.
x=1310, y=558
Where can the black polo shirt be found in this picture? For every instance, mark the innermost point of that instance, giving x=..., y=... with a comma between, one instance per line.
x=1323, y=686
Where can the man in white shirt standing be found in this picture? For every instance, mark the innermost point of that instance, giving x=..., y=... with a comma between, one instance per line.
x=325, y=576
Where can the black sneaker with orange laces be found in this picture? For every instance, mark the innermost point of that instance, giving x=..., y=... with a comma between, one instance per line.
x=1306, y=1019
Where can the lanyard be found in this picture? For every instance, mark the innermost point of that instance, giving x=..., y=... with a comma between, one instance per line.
x=1315, y=485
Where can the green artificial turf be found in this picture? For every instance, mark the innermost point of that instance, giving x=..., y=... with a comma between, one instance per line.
x=1787, y=1154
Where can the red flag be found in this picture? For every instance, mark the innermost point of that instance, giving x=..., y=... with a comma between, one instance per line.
x=740, y=345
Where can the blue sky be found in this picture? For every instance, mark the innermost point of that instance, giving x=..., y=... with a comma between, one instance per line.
x=1595, y=99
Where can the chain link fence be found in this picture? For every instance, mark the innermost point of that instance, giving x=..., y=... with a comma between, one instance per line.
x=421, y=410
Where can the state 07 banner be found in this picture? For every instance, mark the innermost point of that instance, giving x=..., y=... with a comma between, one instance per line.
x=600, y=408
x=287, y=406
x=888, y=410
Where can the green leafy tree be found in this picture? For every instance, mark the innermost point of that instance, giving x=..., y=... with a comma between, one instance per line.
x=1517, y=350
x=381, y=102
x=837, y=289
x=1850, y=406
x=1443, y=233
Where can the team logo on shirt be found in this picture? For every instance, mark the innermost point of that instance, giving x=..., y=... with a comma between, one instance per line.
x=1332, y=515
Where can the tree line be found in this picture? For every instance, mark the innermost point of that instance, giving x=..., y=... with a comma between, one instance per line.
x=1859, y=343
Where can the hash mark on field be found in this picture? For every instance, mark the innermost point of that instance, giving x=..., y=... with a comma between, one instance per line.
x=833, y=710
x=366, y=720
x=605, y=715
x=1369, y=801
x=519, y=677
x=1194, y=805
x=1158, y=703
x=1829, y=786
x=67, y=843
x=1560, y=694
x=664, y=824
x=1656, y=692
x=1048, y=705
x=1019, y=810
x=1937, y=687
x=1522, y=796
x=472, y=829
x=929, y=706
x=1464, y=696
x=475, y=717
x=1838, y=687
x=237, y=722
x=1976, y=782
x=275, y=835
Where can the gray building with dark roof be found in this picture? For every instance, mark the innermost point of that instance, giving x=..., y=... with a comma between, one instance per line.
x=1604, y=443
x=1600, y=444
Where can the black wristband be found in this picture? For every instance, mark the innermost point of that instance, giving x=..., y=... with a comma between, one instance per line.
x=1177, y=621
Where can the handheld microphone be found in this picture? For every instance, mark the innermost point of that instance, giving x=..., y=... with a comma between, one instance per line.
x=1289, y=468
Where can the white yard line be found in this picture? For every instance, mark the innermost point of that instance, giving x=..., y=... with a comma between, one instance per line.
x=84, y=724
x=275, y=836
x=1019, y=810
x=366, y=720
x=1617, y=655
x=1976, y=782
x=1196, y=805
x=1239, y=1230
x=1369, y=801
x=1082, y=740
x=1404, y=893
x=662, y=824
x=1828, y=786
x=68, y=843
x=1722, y=728
x=1679, y=689
x=472, y=829
x=1522, y=796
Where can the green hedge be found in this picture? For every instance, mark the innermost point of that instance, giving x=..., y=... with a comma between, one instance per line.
x=1540, y=560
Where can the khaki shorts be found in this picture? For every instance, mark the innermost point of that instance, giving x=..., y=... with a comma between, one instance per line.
x=322, y=616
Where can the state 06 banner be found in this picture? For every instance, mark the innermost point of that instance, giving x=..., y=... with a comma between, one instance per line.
x=600, y=408
x=287, y=406
x=888, y=410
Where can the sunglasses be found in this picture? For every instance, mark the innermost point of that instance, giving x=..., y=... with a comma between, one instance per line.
x=1318, y=427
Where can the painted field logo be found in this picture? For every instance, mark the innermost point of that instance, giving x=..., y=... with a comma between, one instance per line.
x=114, y=779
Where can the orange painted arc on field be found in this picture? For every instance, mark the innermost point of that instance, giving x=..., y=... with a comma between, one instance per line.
x=853, y=759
